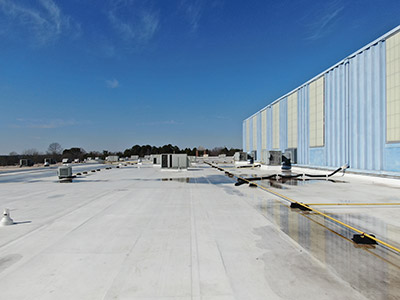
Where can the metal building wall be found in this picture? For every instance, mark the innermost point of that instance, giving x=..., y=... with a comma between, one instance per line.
x=336, y=112
x=303, y=131
x=269, y=128
x=264, y=129
x=250, y=132
x=283, y=129
x=367, y=108
x=354, y=117
x=259, y=135
x=244, y=146
x=254, y=126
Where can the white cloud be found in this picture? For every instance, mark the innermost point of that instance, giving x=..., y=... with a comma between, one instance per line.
x=42, y=23
x=193, y=11
x=112, y=84
x=134, y=23
x=324, y=21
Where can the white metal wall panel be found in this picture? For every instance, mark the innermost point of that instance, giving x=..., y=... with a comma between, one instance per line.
x=317, y=112
x=275, y=121
x=254, y=120
x=393, y=88
x=292, y=120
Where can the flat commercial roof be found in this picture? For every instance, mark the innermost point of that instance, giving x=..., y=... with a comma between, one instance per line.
x=139, y=232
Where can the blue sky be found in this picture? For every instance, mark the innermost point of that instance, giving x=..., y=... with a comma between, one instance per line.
x=106, y=75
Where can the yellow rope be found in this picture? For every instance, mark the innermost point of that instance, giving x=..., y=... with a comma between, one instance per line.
x=343, y=203
x=321, y=213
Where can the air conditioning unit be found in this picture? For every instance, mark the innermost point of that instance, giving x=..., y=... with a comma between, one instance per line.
x=291, y=154
x=274, y=158
x=240, y=156
x=64, y=172
x=174, y=161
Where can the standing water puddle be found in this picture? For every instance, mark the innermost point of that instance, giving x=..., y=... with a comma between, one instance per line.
x=373, y=270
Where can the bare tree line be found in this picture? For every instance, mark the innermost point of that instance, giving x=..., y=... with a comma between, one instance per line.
x=57, y=153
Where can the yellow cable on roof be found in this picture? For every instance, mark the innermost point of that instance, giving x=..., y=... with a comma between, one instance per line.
x=321, y=213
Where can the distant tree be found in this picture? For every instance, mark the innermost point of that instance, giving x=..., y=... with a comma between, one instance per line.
x=32, y=152
x=13, y=153
x=54, y=148
x=74, y=152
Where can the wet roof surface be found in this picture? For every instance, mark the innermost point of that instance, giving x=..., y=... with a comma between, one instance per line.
x=145, y=233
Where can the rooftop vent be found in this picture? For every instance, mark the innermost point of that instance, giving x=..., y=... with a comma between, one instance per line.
x=6, y=220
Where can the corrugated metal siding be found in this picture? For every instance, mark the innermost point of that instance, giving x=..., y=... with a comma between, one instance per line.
x=259, y=136
x=247, y=135
x=269, y=128
x=244, y=136
x=335, y=116
x=264, y=129
x=303, y=125
x=292, y=120
x=254, y=126
x=250, y=130
x=283, y=129
x=367, y=106
x=275, y=126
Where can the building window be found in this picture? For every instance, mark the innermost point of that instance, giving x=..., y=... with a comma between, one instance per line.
x=255, y=132
x=393, y=88
x=292, y=120
x=317, y=122
x=275, y=126
x=264, y=129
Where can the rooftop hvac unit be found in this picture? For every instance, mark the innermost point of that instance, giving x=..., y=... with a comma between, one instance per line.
x=274, y=158
x=291, y=154
x=175, y=161
x=64, y=172
x=240, y=156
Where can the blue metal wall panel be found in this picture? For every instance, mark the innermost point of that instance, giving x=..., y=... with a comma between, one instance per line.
x=259, y=131
x=367, y=100
x=335, y=116
x=251, y=134
x=317, y=156
x=391, y=158
x=269, y=128
x=283, y=125
x=303, y=126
